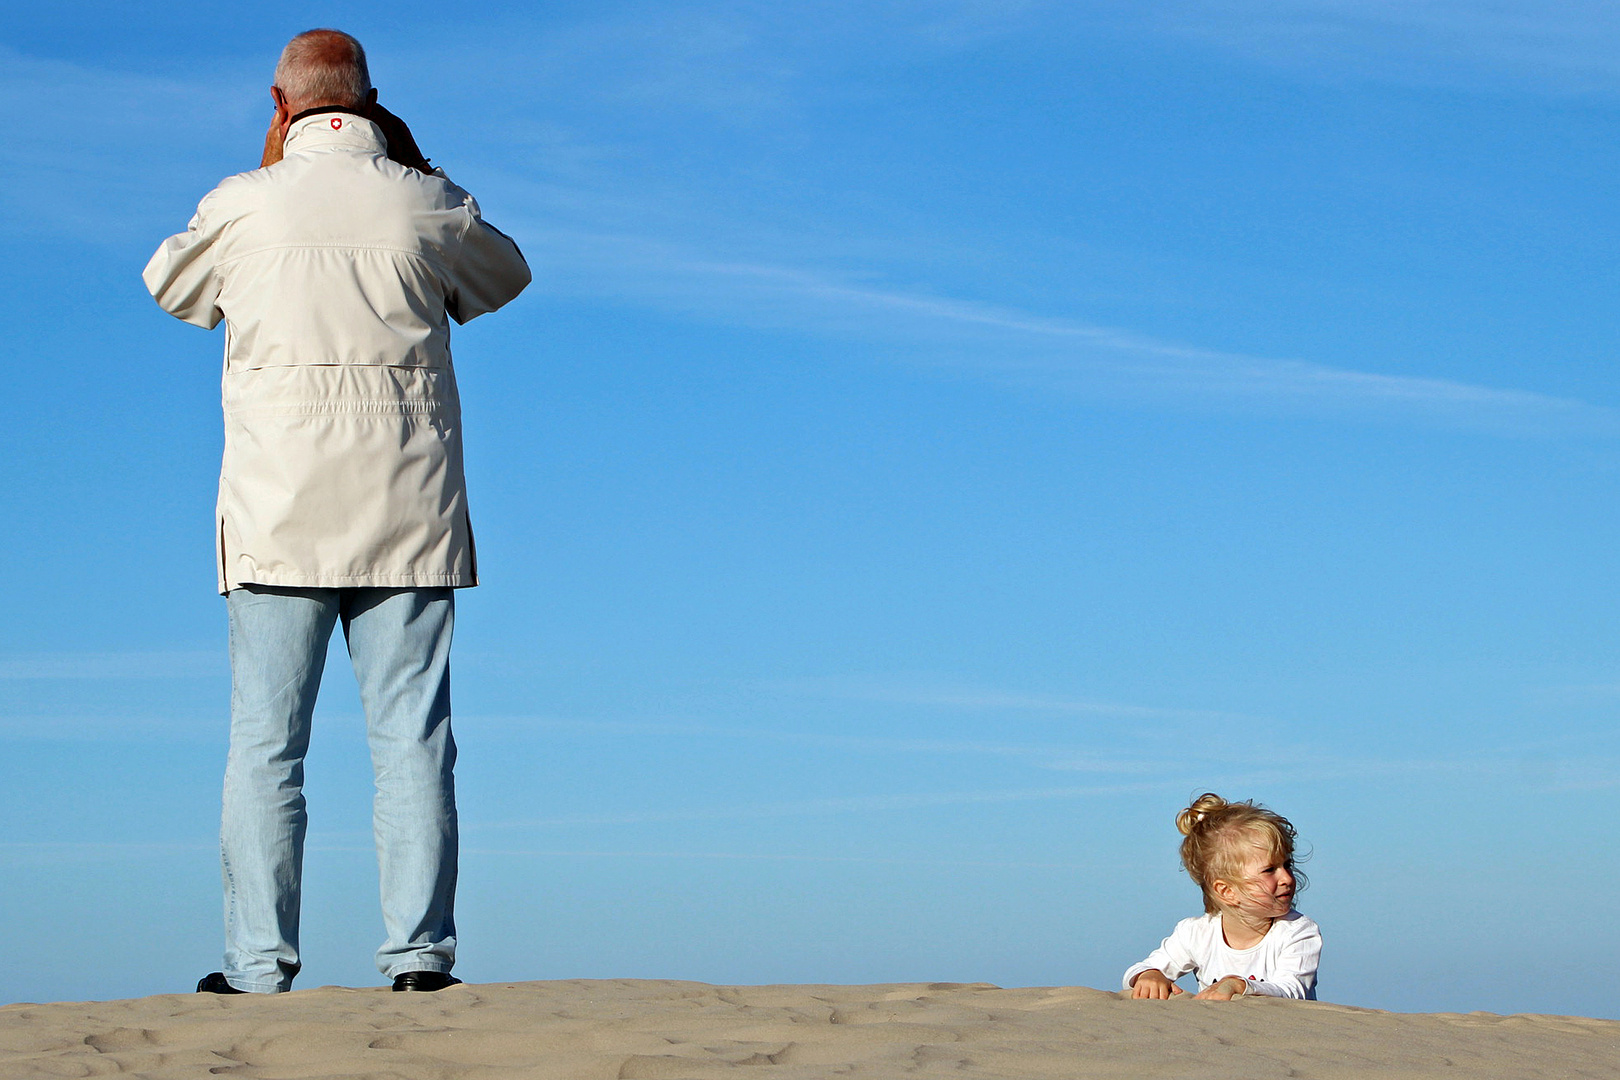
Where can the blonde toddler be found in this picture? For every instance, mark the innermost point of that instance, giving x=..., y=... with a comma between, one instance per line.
x=1249, y=940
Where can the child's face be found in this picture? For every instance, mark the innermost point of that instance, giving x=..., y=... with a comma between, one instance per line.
x=1265, y=885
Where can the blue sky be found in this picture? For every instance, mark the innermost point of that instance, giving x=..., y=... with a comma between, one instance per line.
x=941, y=438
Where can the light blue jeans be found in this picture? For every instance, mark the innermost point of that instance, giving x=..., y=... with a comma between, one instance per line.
x=399, y=643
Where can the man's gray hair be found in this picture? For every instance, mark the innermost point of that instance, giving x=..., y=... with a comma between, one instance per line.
x=323, y=67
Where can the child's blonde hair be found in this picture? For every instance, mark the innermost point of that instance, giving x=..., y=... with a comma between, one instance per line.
x=1216, y=834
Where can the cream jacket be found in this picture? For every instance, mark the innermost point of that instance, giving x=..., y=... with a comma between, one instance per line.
x=337, y=271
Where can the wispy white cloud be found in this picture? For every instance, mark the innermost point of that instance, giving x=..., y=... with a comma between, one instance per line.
x=114, y=155
x=97, y=847
x=959, y=24
x=755, y=64
x=60, y=853
x=1042, y=731
x=1117, y=744
x=866, y=804
x=771, y=856
x=643, y=233
x=1036, y=754
x=114, y=665
x=614, y=234
x=1180, y=778
x=77, y=851
x=1032, y=350
x=926, y=691
x=1569, y=47
x=1570, y=693
x=694, y=58
x=146, y=724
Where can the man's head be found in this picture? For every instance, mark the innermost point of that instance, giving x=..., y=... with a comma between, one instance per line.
x=322, y=67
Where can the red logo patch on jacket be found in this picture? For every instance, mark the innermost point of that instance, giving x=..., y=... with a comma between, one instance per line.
x=337, y=123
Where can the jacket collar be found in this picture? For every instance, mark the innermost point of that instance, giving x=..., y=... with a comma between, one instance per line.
x=333, y=127
x=325, y=108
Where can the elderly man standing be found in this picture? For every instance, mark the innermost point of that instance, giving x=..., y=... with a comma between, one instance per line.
x=337, y=267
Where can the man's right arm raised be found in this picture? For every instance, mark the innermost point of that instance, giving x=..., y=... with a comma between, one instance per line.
x=181, y=277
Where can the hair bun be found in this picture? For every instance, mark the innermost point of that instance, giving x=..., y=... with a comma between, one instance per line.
x=1201, y=807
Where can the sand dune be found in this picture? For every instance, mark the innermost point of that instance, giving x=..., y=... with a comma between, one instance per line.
x=584, y=1030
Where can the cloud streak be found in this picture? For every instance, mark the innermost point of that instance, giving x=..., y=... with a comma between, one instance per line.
x=1063, y=758
x=770, y=856
x=1034, y=351
x=199, y=664
x=1569, y=47
x=1180, y=777
x=613, y=234
x=118, y=152
x=980, y=699
x=865, y=804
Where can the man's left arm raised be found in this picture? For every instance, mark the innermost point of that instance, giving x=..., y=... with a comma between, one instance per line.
x=489, y=269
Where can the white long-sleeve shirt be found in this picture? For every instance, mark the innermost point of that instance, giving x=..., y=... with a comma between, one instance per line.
x=1281, y=964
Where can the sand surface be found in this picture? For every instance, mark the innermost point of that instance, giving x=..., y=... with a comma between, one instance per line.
x=586, y=1029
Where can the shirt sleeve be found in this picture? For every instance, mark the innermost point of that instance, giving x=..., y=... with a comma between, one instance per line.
x=1176, y=956
x=489, y=269
x=181, y=277
x=1294, y=975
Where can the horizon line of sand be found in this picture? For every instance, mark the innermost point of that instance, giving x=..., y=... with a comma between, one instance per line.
x=582, y=1029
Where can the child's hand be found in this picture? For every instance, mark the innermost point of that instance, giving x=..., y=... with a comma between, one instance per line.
x=1224, y=990
x=1153, y=983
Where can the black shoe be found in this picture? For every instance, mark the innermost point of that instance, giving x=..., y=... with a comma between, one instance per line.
x=424, y=980
x=216, y=984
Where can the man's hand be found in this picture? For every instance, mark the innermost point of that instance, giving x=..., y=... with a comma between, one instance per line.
x=1154, y=984
x=401, y=143
x=1224, y=990
x=278, y=129
x=272, y=143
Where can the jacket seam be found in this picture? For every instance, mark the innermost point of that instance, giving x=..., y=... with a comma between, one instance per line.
x=363, y=405
x=221, y=264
